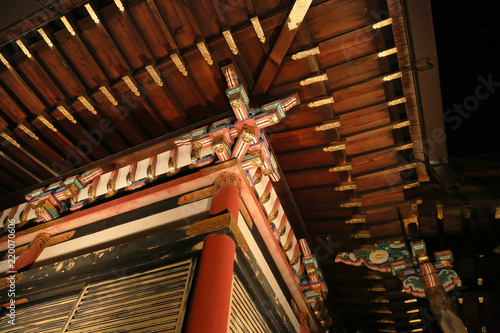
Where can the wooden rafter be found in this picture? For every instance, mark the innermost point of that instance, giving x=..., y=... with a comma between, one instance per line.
x=197, y=92
x=278, y=53
x=400, y=37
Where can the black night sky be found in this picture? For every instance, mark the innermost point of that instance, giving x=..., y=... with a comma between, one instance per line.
x=468, y=38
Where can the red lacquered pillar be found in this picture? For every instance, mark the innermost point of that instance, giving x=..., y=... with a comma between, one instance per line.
x=211, y=298
x=226, y=194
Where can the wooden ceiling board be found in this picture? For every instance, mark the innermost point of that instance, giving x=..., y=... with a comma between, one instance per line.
x=29, y=98
x=303, y=116
x=314, y=177
x=300, y=138
x=317, y=195
x=150, y=31
x=132, y=46
x=373, y=161
x=80, y=59
x=108, y=60
x=38, y=80
x=53, y=62
x=23, y=159
x=311, y=158
x=369, y=141
x=344, y=16
x=11, y=109
x=178, y=23
x=389, y=195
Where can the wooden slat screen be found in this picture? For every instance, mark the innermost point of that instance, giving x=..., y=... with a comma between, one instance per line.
x=244, y=315
x=148, y=302
x=154, y=301
x=44, y=317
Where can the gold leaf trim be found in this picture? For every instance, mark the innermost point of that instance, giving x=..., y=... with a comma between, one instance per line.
x=202, y=47
x=356, y=219
x=439, y=211
x=361, y=234
x=412, y=185
x=84, y=100
x=380, y=300
x=195, y=152
x=46, y=123
x=110, y=188
x=23, y=48
x=258, y=29
x=130, y=179
x=66, y=113
x=352, y=203
x=383, y=23
x=154, y=74
x=314, y=79
x=405, y=147
x=387, y=52
x=93, y=15
x=151, y=173
x=172, y=167
x=407, y=167
x=467, y=211
x=227, y=178
x=397, y=101
x=321, y=102
x=230, y=41
x=206, y=226
x=341, y=167
x=294, y=260
x=298, y=13
x=10, y=139
x=346, y=187
x=105, y=90
x=91, y=193
x=335, y=146
x=273, y=215
x=379, y=290
x=257, y=177
x=328, y=125
x=120, y=6
x=68, y=25
x=5, y=62
x=45, y=37
x=306, y=53
x=179, y=63
x=287, y=247
x=265, y=198
x=391, y=77
x=131, y=85
x=401, y=124
x=28, y=131
x=282, y=230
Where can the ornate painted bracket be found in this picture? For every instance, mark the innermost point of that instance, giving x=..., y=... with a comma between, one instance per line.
x=416, y=271
x=379, y=259
x=310, y=279
x=241, y=136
